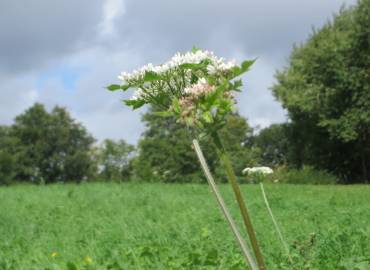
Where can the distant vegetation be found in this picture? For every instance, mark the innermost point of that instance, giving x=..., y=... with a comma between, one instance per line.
x=45, y=147
x=325, y=89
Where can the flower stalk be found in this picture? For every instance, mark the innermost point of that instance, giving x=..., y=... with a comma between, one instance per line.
x=277, y=228
x=239, y=198
x=245, y=251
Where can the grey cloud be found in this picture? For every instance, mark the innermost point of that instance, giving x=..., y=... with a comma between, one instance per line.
x=34, y=32
x=268, y=27
x=13, y=102
x=101, y=111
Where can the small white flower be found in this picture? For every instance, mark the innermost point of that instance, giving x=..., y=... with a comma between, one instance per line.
x=138, y=94
x=211, y=69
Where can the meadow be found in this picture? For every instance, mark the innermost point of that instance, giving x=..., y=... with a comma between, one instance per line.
x=158, y=226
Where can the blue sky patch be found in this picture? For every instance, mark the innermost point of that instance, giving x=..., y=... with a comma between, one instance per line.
x=67, y=75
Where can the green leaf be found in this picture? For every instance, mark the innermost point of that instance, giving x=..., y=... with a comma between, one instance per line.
x=212, y=80
x=237, y=71
x=211, y=98
x=134, y=103
x=189, y=66
x=176, y=105
x=207, y=116
x=151, y=76
x=247, y=64
x=125, y=87
x=237, y=84
x=115, y=87
x=163, y=114
x=71, y=266
x=195, y=49
x=194, y=66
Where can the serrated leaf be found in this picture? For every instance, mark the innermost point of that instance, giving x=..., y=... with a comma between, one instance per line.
x=246, y=65
x=237, y=71
x=125, y=87
x=237, y=84
x=114, y=87
x=134, y=103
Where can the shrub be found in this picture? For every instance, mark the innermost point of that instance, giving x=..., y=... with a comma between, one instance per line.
x=306, y=175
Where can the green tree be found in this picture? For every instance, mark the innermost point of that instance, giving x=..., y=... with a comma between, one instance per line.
x=8, y=160
x=237, y=136
x=114, y=160
x=273, y=142
x=165, y=154
x=53, y=147
x=326, y=91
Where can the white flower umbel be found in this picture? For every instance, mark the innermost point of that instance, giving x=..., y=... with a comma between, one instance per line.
x=262, y=170
x=220, y=66
x=216, y=64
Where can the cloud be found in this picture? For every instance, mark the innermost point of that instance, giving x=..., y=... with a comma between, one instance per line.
x=65, y=52
x=112, y=9
x=13, y=102
x=35, y=33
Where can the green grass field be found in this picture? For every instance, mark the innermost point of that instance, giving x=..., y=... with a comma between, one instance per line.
x=156, y=226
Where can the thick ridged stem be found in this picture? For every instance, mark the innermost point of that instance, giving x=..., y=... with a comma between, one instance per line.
x=225, y=211
x=239, y=198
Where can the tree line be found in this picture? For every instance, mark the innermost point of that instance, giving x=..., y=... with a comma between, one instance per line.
x=325, y=89
x=50, y=147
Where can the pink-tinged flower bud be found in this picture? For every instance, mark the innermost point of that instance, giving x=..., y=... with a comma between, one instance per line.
x=201, y=88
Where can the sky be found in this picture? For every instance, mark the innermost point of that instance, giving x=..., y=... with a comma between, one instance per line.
x=65, y=52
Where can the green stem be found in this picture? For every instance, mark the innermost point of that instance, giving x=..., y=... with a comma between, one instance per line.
x=285, y=245
x=243, y=209
x=245, y=250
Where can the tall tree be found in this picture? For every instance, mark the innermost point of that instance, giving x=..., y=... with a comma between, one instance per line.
x=53, y=147
x=8, y=160
x=273, y=142
x=326, y=90
x=114, y=160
